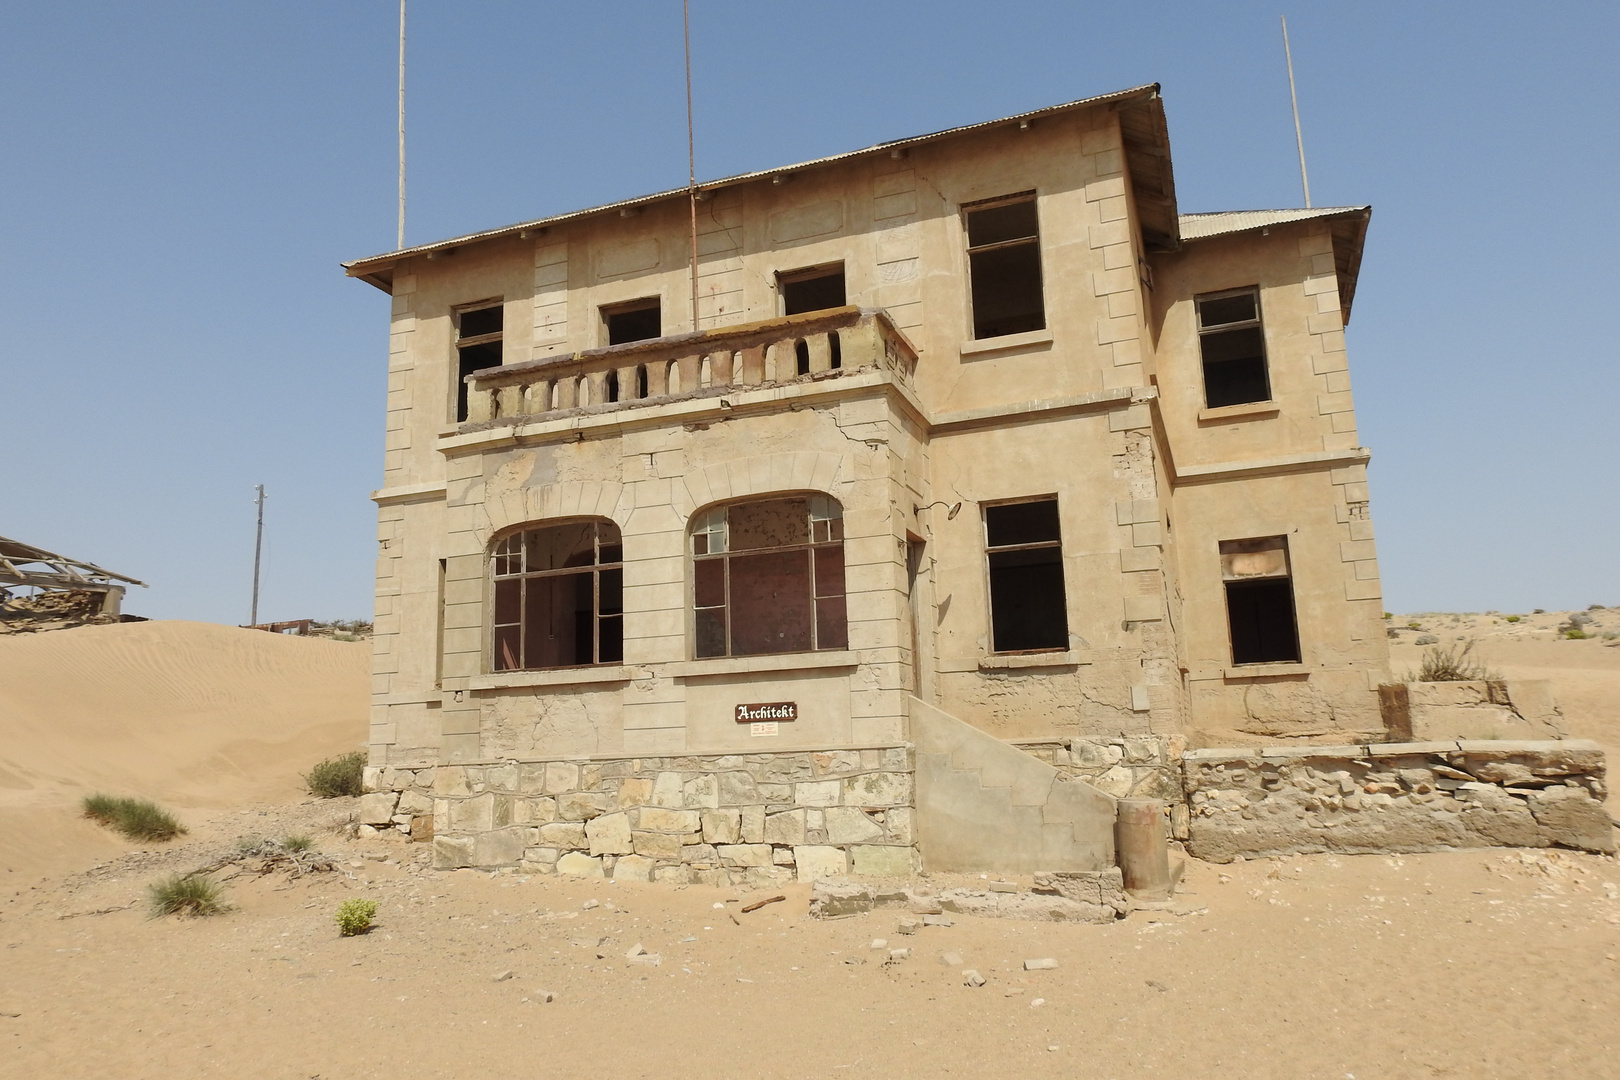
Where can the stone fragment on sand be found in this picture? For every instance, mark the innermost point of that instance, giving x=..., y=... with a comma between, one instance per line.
x=1043, y=964
x=951, y=959
x=972, y=978
x=502, y=976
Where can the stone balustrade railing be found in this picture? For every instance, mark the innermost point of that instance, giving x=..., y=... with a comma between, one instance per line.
x=812, y=346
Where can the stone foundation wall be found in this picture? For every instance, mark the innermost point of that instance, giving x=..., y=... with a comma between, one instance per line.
x=1396, y=797
x=1125, y=766
x=742, y=819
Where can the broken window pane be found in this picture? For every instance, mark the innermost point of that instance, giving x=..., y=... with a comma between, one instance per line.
x=1260, y=601
x=559, y=597
x=768, y=577
x=636, y=321
x=812, y=290
x=1004, y=269
x=1028, y=607
x=1232, y=346
x=478, y=346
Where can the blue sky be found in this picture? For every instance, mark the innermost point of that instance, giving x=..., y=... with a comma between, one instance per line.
x=181, y=180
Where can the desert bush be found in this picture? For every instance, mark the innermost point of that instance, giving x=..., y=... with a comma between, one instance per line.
x=296, y=843
x=138, y=819
x=1454, y=664
x=1575, y=633
x=1513, y=618
x=337, y=776
x=354, y=916
x=186, y=894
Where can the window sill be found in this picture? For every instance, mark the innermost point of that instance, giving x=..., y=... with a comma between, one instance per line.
x=738, y=665
x=573, y=676
x=1249, y=410
x=1066, y=658
x=1006, y=343
x=1261, y=671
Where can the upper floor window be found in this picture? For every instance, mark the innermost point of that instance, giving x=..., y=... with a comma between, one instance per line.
x=1004, y=266
x=1233, y=347
x=1028, y=608
x=816, y=289
x=636, y=321
x=478, y=346
x=559, y=597
x=768, y=577
x=1260, y=601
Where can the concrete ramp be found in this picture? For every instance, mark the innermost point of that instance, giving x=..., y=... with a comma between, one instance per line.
x=983, y=805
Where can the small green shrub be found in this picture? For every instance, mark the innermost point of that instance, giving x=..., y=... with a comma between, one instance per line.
x=354, y=916
x=1452, y=665
x=337, y=776
x=186, y=894
x=1575, y=633
x=1514, y=618
x=297, y=843
x=138, y=819
x=1414, y=626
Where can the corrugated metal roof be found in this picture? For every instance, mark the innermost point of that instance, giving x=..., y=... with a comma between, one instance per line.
x=359, y=267
x=1199, y=226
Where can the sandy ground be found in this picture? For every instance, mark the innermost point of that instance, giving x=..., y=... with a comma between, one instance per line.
x=1469, y=964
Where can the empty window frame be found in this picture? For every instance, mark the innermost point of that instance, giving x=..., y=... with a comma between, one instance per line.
x=559, y=597
x=768, y=577
x=1233, y=347
x=478, y=346
x=1028, y=606
x=1260, y=601
x=812, y=290
x=1004, y=266
x=636, y=321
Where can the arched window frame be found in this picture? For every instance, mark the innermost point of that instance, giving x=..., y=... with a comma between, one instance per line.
x=539, y=602
x=774, y=594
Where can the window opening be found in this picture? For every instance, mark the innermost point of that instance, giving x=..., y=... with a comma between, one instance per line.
x=1028, y=608
x=1260, y=601
x=559, y=597
x=1004, y=267
x=801, y=357
x=1233, y=347
x=768, y=577
x=812, y=290
x=478, y=346
x=635, y=321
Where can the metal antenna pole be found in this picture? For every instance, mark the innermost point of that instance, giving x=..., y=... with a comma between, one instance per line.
x=1299, y=139
x=258, y=550
x=400, y=245
x=691, y=157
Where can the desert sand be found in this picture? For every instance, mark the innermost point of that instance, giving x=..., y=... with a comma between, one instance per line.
x=1463, y=964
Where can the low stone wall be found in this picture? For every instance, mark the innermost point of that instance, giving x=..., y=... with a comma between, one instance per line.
x=1126, y=766
x=738, y=819
x=1483, y=710
x=1396, y=797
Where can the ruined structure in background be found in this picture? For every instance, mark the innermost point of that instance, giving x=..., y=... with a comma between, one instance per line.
x=984, y=480
x=41, y=590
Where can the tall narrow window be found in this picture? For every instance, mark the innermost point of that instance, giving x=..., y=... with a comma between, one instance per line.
x=636, y=321
x=1028, y=610
x=559, y=597
x=812, y=290
x=478, y=346
x=1260, y=601
x=1233, y=347
x=1004, y=267
x=768, y=577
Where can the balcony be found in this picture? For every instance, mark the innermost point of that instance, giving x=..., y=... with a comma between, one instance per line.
x=774, y=352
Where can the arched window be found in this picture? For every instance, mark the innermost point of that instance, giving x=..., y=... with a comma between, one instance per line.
x=768, y=577
x=559, y=597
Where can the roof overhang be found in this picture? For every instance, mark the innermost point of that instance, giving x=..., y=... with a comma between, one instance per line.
x=1147, y=154
x=1348, y=225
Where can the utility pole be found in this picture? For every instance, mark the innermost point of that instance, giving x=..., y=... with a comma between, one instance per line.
x=258, y=549
x=400, y=245
x=1299, y=139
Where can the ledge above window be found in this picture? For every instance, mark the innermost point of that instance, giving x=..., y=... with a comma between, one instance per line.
x=1249, y=410
x=1007, y=342
x=572, y=676
x=738, y=665
x=1261, y=671
x=1009, y=661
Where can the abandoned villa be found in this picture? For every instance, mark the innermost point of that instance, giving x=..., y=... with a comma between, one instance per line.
x=975, y=482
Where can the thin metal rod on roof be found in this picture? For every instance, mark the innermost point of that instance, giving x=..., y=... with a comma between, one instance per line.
x=400, y=245
x=258, y=549
x=691, y=156
x=1299, y=139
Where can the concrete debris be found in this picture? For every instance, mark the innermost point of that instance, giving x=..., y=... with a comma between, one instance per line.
x=951, y=959
x=502, y=976
x=1043, y=964
x=972, y=978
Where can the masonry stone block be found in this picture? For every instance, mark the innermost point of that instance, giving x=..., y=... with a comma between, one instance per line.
x=817, y=793
x=451, y=852
x=581, y=805
x=813, y=862
x=722, y=826
x=633, y=868
x=659, y=819
x=737, y=789
x=850, y=825
x=873, y=860
x=578, y=864
x=500, y=847
x=609, y=834
x=564, y=834
x=378, y=807
x=561, y=777
x=635, y=791
x=657, y=845
x=701, y=791
x=744, y=855
x=753, y=824
x=667, y=791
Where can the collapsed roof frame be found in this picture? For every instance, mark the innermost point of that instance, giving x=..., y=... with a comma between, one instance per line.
x=17, y=567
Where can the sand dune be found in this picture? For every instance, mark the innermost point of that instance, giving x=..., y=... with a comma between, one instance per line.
x=195, y=715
